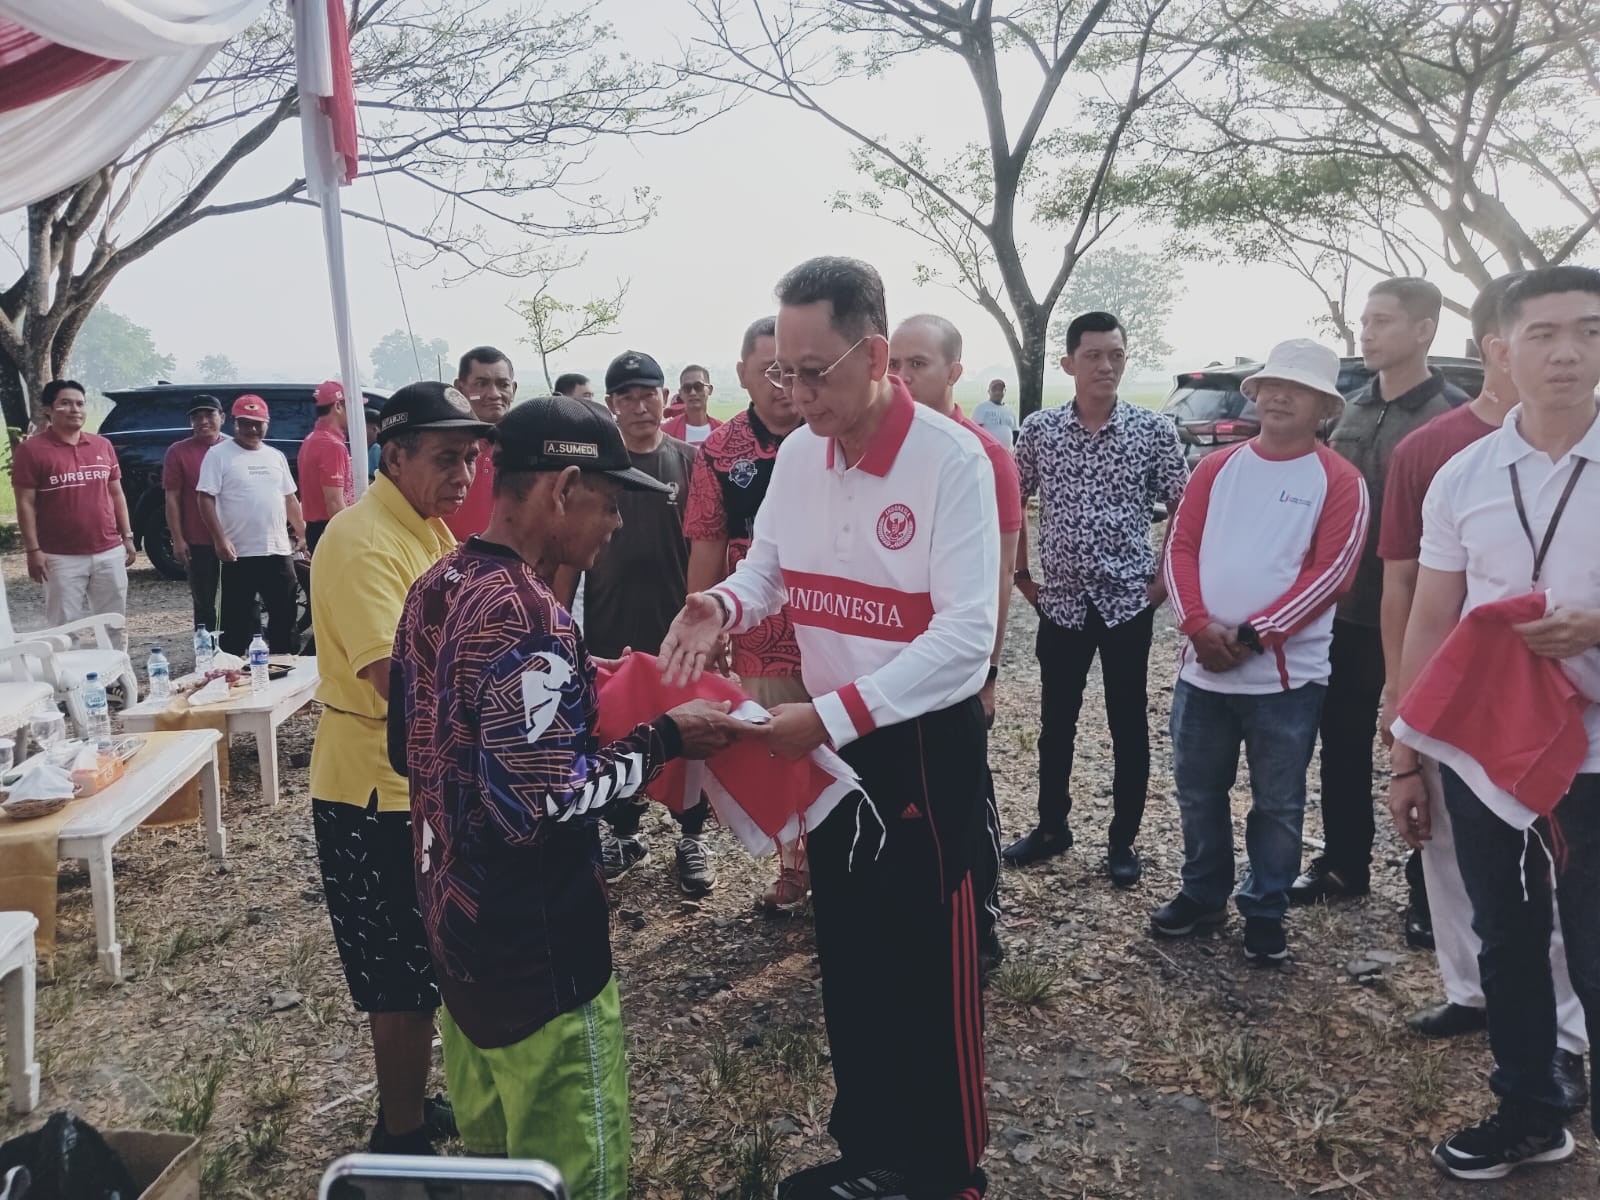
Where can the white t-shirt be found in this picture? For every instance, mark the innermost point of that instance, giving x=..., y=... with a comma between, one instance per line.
x=997, y=420
x=695, y=434
x=249, y=486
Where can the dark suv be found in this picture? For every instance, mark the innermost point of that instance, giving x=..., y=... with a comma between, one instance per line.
x=145, y=421
x=1211, y=412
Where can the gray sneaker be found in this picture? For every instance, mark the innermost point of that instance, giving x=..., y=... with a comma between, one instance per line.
x=696, y=875
x=619, y=855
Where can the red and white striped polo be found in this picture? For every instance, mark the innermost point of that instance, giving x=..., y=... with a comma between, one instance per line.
x=886, y=568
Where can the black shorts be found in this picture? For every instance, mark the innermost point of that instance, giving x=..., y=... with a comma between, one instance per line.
x=369, y=878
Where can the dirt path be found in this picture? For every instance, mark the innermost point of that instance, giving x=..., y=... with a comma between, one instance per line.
x=1118, y=1067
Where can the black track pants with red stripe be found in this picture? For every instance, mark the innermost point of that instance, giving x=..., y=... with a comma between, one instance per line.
x=891, y=883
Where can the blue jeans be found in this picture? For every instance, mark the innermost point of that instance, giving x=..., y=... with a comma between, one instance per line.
x=1507, y=875
x=1279, y=730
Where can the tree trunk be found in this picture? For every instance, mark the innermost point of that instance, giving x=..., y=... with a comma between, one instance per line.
x=1029, y=355
x=13, y=398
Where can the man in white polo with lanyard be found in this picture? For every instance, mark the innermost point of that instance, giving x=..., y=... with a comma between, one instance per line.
x=879, y=534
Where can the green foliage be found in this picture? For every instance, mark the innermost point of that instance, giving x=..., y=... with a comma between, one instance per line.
x=1398, y=136
x=400, y=358
x=1138, y=287
x=218, y=368
x=112, y=352
x=555, y=324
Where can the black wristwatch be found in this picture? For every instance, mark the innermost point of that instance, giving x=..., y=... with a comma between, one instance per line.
x=1249, y=638
x=994, y=673
x=1020, y=575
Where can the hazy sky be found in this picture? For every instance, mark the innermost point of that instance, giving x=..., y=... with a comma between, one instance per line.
x=739, y=201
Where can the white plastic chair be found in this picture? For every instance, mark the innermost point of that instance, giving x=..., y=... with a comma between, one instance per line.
x=77, y=648
x=18, y=983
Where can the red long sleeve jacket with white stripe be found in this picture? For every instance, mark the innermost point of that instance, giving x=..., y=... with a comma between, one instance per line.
x=1274, y=542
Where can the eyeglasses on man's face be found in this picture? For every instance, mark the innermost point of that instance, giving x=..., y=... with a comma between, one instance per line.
x=694, y=388
x=807, y=377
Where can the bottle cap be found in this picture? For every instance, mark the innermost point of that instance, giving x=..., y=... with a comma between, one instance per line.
x=92, y=677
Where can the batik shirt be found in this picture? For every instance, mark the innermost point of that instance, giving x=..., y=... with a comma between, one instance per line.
x=1096, y=491
x=495, y=734
x=729, y=483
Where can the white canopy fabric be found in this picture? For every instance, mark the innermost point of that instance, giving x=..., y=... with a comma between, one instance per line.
x=64, y=138
x=131, y=30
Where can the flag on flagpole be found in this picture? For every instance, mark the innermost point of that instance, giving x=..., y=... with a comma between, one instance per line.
x=328, y=132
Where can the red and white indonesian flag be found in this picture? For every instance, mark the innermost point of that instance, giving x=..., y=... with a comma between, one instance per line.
x=327, y=95
x=81, y=80
x=762, y=799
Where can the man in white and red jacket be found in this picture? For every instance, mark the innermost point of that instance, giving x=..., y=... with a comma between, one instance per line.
x=1267, y=536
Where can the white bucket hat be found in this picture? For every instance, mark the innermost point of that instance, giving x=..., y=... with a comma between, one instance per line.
x=1302, y=361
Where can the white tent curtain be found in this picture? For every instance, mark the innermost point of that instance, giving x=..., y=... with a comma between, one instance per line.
x=51, y=145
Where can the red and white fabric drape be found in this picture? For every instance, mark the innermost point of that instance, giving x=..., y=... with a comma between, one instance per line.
x=81, y=80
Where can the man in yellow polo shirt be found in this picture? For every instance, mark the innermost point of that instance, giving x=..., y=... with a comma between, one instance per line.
x=365, y=563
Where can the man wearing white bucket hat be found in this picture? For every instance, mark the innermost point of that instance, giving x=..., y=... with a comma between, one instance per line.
x=1267, y=537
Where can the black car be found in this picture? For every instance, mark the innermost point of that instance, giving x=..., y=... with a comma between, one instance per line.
x=145, y=421
x=1211, y=412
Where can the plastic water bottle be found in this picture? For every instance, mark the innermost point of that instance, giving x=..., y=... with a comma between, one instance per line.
x=159, y=672
x=94, y=703
x=205, y=650
x=258, y=662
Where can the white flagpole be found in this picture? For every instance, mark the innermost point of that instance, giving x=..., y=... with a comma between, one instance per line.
x=312, y=55
x=344, y=332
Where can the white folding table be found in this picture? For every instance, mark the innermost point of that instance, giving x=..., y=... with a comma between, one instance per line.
x=257, y=714
x=168, y=761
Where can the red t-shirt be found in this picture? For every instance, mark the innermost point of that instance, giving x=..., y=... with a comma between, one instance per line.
x=180, y=472
x=1412, y=466
x=72, y=491
x=473, y=515
x=324, y=461
x=1007, y=483
x=729, y=483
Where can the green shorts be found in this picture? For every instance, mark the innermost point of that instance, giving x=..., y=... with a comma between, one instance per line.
x=560, y=1094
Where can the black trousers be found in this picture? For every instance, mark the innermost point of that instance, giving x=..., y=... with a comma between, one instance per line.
x=204, y=571
x=269, y=577
x=892, y=893
x=625, y=818
x=1065, y=656
x=1349, y=723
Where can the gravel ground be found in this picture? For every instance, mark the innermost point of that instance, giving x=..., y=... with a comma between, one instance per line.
x=1118, y=1067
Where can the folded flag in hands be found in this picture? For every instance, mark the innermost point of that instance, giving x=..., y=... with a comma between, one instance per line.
x=763, y=799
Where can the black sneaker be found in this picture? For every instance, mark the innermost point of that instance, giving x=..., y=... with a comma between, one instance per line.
x=1497, y=1146
x=840, y=1180
x=1571, y=1080
x=1182, y=916
x=1319, y=882
x=696, y=876
x=619, y=855
x=438, y=1118
x=1264, y=943
x=1123, y=865
x=1036, y=847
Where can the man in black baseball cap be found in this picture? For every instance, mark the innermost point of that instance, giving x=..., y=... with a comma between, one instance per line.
x=494, y=702
x=637, y=586
x=361, y=810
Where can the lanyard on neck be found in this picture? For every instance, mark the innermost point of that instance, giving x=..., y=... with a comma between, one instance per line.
x=1543, y=548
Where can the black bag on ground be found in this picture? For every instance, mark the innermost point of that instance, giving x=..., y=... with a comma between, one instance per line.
x=68, y=1160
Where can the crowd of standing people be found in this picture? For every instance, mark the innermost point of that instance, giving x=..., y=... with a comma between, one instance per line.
x=1407, y=564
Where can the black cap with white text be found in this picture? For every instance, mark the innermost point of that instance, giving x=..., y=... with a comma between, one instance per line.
x=552, y=433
